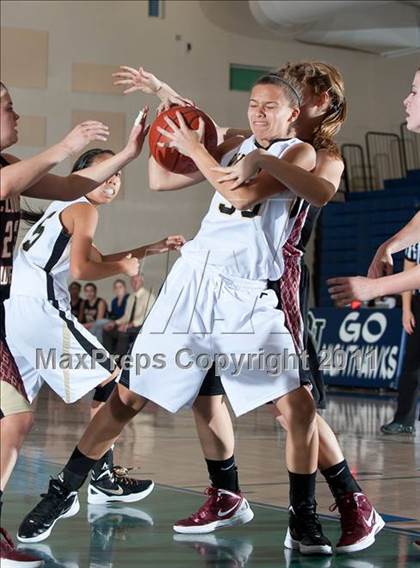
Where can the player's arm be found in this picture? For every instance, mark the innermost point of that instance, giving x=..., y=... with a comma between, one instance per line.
x=382, y=261
x=81, y=220
x=345, y=289
x=317, y=186
x=20, y=175
x=174, y=242
x=264, y=186
x=161, y=179
x=141, y=80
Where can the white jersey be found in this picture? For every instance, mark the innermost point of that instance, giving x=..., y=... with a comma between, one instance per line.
x=246, y=244
x=42, y=264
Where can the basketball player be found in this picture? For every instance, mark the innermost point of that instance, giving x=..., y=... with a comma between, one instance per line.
x=30, y=178
x=62, y=241
x=345, y=289
x=213, y=284
x=322, y=113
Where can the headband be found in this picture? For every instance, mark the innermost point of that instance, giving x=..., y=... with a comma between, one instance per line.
x=294, y=91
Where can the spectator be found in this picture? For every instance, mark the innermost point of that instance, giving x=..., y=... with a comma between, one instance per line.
x=75, y=300
x=93, y=308
x=119, y=333
x=118, y=305
x=119, y=301
x=403, y=422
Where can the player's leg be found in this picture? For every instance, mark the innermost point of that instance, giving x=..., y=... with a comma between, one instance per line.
x=107, y=479
x=101, y=433
x=16, y=420
x=225, y=505
x=305, y=531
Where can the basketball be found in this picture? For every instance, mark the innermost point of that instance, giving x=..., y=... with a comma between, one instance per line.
x=170, y=158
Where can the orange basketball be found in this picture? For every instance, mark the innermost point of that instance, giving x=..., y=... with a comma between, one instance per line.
x=170, y=158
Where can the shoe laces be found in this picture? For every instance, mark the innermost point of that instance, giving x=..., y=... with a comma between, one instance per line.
x=7, y=542
x=211, y=492
x=349, y=514
x=50, y=504
x=310, y=519
x=120, y=474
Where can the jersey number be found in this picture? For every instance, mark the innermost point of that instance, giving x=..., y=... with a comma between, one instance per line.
x=9, y=233
x=249, y=213
x=36, y=235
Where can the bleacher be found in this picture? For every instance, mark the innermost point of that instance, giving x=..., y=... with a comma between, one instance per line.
x=349, y=233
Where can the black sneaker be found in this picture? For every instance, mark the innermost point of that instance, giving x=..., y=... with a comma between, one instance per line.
x=305, y=532
x=115, y=485
x=58, y=503
x=397, y=428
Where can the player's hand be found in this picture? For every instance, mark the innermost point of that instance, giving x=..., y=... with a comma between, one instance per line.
x=174, y=242
x=169, y=99
x=242, y=171
x=130, y=266
x=82, y=135
x=344, y=289
x=137, y=80
x=137, y=136
x=408, y=321
x=382, y=263
x=184, y=139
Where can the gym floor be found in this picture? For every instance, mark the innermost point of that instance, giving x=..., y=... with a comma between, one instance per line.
x=164, y=447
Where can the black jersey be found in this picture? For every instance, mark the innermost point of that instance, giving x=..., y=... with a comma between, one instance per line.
x=90, y=311
x=9, y=228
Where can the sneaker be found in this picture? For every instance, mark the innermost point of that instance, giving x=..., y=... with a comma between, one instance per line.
x=397, y=428
x=222, y=509
x=12, y=558
x=58, y=503
x=115, y=485
x=359, y=522
x=305, y=532
x=218, y=551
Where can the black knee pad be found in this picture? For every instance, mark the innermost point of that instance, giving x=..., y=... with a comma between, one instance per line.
x=103, y=393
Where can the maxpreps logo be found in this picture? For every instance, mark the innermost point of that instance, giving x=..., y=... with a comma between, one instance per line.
x=357, y=348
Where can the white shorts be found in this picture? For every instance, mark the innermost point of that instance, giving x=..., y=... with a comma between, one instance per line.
x=201, y=316
x=50, y=345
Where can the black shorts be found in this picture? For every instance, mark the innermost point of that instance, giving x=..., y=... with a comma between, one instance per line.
x=212, y=385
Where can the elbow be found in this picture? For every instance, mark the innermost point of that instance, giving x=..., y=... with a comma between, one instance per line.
x=323, y=197
x=154, y=185
x=79, y=272
x=6, y=190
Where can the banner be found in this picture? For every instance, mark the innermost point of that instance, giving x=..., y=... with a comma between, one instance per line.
x=358, y=348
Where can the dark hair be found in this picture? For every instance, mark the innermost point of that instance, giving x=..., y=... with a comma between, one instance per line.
x=29, y=216
x=74, y=283
x=90, y=284
x=88, y=157
x=291, y=90
x=119, y=281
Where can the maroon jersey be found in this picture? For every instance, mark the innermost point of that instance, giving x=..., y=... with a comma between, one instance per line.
x=9, y=228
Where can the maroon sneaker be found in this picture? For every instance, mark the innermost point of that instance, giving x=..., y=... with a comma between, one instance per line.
x=359, y=522
x=222, y=509
x=12, y=558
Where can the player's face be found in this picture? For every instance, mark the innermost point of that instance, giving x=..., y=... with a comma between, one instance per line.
x=8, y=121
x=270, y=114
x=412, y=105
x=108, y=191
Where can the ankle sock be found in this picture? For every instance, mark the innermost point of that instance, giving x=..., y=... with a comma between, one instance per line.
x=340, y=480
x=224, y=474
